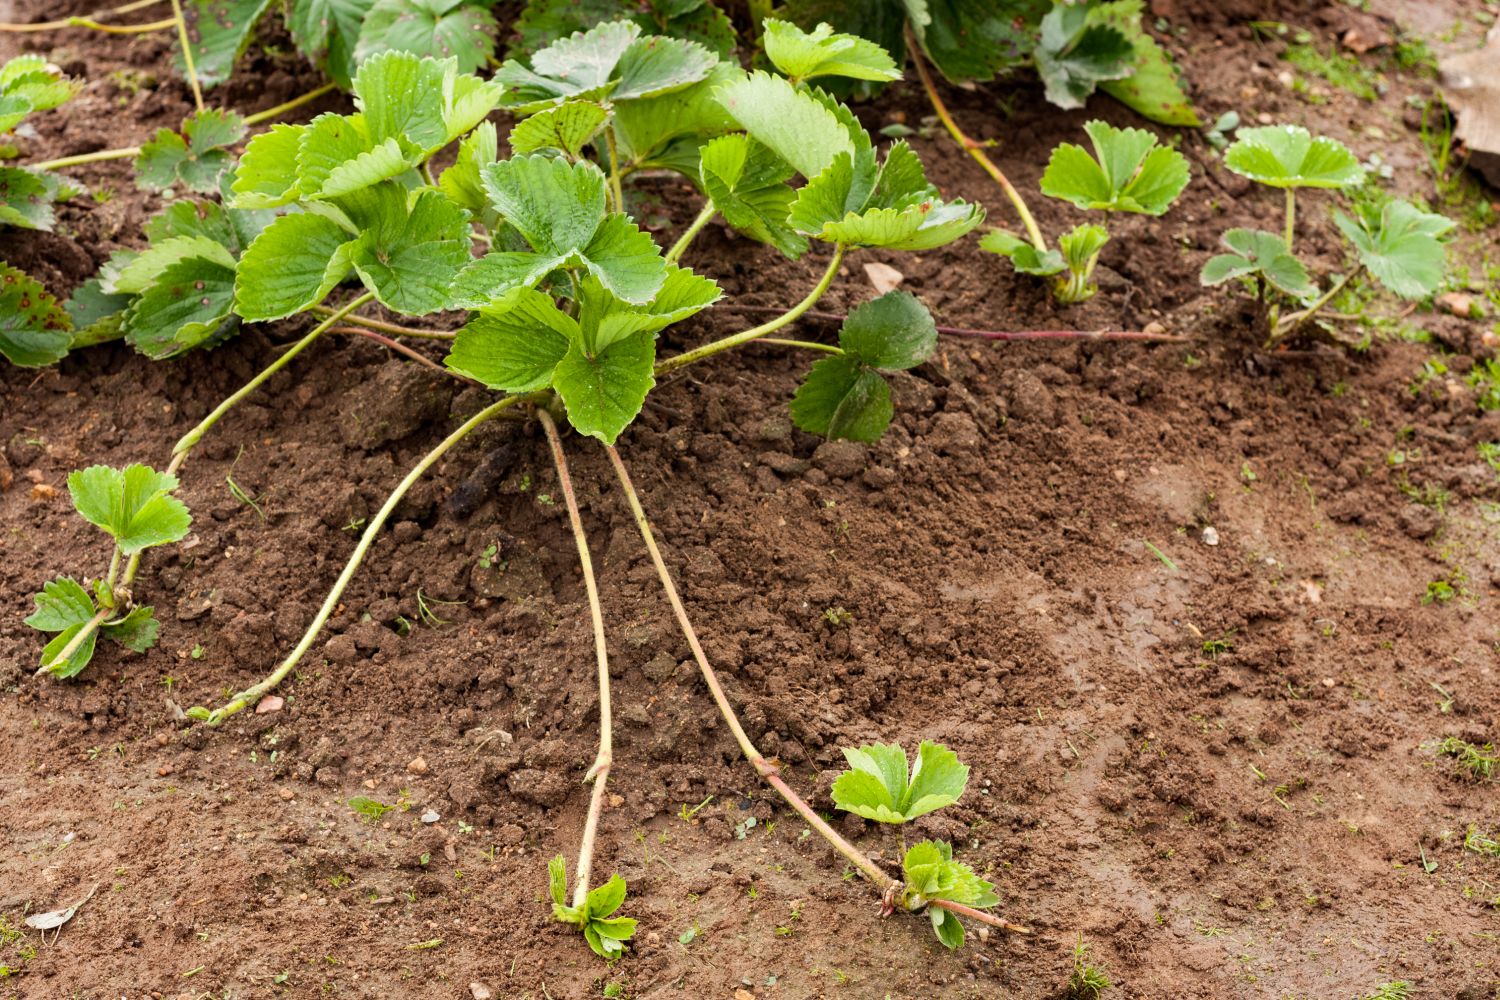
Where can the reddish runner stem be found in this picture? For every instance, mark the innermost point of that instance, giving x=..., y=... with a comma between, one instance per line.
x=401, y=348
x=768, y=769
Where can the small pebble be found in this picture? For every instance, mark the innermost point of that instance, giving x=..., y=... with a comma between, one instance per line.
x=270, y=703
x=418, y=765
x=1210, y=536
x=430, y=816
x=479, y=991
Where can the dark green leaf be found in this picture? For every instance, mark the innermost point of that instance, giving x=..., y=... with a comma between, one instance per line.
x=26, y=199
x=136, y=631
x=438, y=28
x=515, y=343
x=34, y=329
x=1074, y=56
x=187, y=306
x=61, y=604
x=219, y=32
x=604, y=393
x=843, y=398
x=893, y=332
x=748, y=186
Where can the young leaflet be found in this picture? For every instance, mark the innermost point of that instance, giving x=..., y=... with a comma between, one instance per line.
x=605, y=934
x=1127, y=172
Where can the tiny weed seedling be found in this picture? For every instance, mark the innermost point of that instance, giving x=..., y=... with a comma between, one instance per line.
x=1398, y=244
x=1088, y=981
x=136, y=508
x=371, y=810
x=1477, y=762
x=1128, y=172
x=1396, y=989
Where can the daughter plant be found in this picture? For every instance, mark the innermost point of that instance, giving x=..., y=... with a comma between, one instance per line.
x=1396, y=242
x=1128, y=172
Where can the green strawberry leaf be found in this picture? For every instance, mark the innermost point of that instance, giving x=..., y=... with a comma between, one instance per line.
x=948, y=928
x=918, y=227
x=568, y=128
x=747, y=184
x=1023, y=256
x=611, y=61
x=134, y=505
x=1262, y=253
x=967, y=40
x=291, y=267
x=219, y=32
x=411, y=267
x=665, y=132
x=62, y=604
x=795, y=124
x=26, y=199
x=1129, y=172
x=893, y=332
x=266, y=176
x=231, y=228
x=401, y=97
x=438, y=28
x=32, y=85
x=1399, y=244
x=34, y=329
x=878, y=788
x=515, y=343
x=136, y=631
x=1074, y=56
x=195, y=158
x=188, y=305
x=97, y=315
x=604, y=392
x=543, y=21
x=843, y=398
x=1289, y=156
x=76, y=661
x=604, y=318
x=146, y=267
x=803, y=55
x=483, y=281
x=931, y=873
x=1153, y=89
x=557, y=879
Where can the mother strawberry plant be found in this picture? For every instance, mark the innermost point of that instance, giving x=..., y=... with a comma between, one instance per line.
x=569, y=295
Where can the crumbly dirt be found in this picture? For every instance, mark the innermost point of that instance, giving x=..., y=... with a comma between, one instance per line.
x=1207, y=762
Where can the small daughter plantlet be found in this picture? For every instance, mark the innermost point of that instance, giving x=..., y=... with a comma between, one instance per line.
x=605, y=934
x=136, y=508
x=1396, y=242
x=1128, y=172
x=194, y=158
x=879, y=787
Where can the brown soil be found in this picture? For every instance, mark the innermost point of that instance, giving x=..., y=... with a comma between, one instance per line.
x=1251, y=824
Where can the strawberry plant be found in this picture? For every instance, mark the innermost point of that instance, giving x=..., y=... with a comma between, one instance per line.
x=1128, y=172
x=1396, y=243
x=136, y=508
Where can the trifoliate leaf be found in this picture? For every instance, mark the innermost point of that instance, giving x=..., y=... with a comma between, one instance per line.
x=195, y=158
x=187, y=306
x=483, y=281
x=385, y=161
x=1289, y=156
x=438, y=28
x=411, y=267
x=843, y=398
x=34, y=329
x=1074, y=56
x=514, y=343
x=747, y=184
x=624, y=258
x=136, y=631
x=266, y=176
x=327, y=31
x=291, y=267
x=1399, y=245
x=931, y=873
x=605, y=934
x=134, y=505
x=26, y=199
x=328, y=142
x=1128, y=173
x=1023, y=256
x=877, y=786
x=604, y=318
x=1258, y=252
x=893, y=332
x=555, y=205
x=401, y=96
x=803, y=55
x=31, y=85
x=219, y=32
x=604, y=393
x=794, y=124
x=568, y=127
x=1152, y=88
x=461, y=182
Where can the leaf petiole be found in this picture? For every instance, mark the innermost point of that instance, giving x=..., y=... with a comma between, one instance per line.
x=685, y=240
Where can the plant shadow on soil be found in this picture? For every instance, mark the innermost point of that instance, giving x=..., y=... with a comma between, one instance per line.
x=1209, y=766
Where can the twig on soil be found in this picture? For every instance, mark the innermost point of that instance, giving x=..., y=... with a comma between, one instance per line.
x=292, y=105
x=86, y=21
x=599, y=773
x=770, y=770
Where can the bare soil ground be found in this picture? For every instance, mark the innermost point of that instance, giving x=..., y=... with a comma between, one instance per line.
x=1206, y=761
